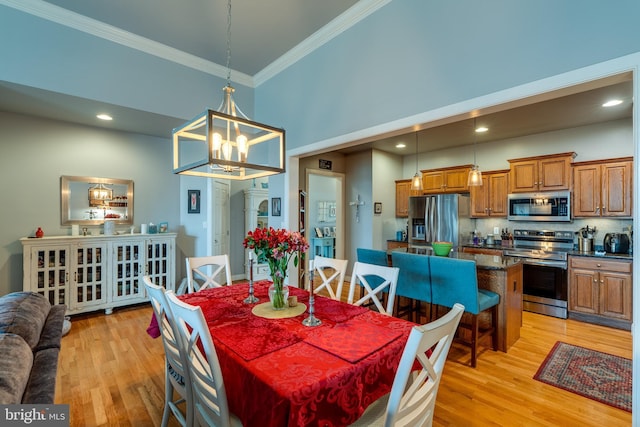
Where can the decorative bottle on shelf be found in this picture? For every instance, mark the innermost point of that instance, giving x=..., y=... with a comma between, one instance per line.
x=39, y=232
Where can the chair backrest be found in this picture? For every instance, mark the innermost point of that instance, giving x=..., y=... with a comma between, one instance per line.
x=372, y=256
x=413, y=404
x=210, y=397
x=454, y=281
x=414, y=278
x=365, y=275
x=176, y=357
x=203, y=272
x=330, y=270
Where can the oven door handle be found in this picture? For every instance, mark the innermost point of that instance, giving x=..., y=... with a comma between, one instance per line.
x=558, y=264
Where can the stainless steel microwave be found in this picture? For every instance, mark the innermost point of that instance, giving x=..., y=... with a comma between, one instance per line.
x=544, y=206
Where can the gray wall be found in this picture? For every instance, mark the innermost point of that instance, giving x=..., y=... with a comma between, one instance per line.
x=36, y=152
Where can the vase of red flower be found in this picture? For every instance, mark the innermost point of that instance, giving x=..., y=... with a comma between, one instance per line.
x=277, y=247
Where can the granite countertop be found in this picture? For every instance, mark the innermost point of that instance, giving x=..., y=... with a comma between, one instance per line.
x=572, y=253
x=483, y=262
x=627, y=257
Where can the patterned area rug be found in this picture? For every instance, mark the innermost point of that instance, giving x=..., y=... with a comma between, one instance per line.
x=598, y=376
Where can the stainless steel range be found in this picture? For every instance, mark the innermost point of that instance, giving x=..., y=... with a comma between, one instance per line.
x=544, y=254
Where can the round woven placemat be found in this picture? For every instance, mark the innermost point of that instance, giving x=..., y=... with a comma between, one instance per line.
x=266, y=310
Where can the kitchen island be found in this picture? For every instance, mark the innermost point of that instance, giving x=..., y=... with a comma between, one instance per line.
x=502, y=275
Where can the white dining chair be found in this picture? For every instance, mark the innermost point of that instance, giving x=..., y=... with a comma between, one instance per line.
x=209, y=395
x=376, y=280
x=176, y=373
x=204, y=272
x=412, y=399
x=331, y=272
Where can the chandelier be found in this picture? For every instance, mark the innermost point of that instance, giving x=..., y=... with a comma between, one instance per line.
x=225, y=143
x=99, y=194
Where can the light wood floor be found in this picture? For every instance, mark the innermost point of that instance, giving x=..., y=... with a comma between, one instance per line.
x=111, y=373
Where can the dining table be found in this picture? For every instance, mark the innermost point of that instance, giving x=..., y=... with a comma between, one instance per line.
x=278, y=372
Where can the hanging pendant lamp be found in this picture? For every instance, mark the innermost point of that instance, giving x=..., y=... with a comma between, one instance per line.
x=475, y=176
x=416, y=182
x=225, y=143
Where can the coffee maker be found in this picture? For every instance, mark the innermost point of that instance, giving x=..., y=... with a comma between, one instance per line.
x=616, y=243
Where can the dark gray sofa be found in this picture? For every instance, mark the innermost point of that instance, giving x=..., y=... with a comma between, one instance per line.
x=30, y=334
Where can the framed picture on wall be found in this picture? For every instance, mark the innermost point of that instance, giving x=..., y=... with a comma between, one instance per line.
x=193, y=201
x=318, y=232
x=276, y=205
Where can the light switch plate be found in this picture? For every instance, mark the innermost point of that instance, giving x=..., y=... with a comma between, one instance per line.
x=496, y=231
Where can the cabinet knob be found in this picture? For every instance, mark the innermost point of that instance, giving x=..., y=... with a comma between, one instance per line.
x=602, y=281
x=598, y=265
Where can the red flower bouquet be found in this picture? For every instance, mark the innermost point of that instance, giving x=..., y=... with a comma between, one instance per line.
x=276, y=247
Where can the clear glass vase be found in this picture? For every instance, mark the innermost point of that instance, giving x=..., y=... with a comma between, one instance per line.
x=279, y=295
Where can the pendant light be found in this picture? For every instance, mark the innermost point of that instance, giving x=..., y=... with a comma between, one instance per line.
x=226, y=143
x=416, y=182
x=475, y=176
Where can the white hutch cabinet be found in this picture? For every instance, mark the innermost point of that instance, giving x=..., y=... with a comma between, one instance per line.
x=90, y=273
x=256, y=211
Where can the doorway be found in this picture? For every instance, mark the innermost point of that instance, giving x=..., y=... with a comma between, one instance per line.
x=325, y=213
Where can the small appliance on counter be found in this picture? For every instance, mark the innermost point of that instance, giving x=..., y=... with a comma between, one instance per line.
x=616, y=243
x=585, y=238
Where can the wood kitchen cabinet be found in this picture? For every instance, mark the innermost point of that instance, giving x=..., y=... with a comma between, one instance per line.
x=481, y=250
x=403, y=191
x=446, y=180
x=600, y=291
x=603, y=188
x=542, y=173
x=490, y=199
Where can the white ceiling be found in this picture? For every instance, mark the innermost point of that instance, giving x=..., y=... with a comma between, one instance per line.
x=264, y=31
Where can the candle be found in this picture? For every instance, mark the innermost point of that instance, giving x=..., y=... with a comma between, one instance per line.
x=311, y=265
x=250, y=255
x=311, y=280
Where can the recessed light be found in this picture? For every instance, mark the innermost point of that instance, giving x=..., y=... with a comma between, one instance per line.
x=481, y=129
x=612, y=103
x=401, y=145
x=104, y=117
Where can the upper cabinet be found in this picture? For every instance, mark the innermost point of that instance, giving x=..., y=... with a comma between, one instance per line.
x=603, y=188
x=490, y=199
x=403, y=191
x=446, y=180
x=542, y=173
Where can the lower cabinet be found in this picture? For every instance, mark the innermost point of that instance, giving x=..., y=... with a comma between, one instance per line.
x=600, y=291
x=97, y=272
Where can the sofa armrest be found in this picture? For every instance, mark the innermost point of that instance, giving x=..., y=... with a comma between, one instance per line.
x=52, y=329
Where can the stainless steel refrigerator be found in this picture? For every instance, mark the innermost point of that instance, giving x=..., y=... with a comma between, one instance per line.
x=442, y=217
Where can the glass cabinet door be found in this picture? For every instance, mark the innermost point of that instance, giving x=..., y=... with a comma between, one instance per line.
x=51, y=270
x=128, y=269
x=89, y=275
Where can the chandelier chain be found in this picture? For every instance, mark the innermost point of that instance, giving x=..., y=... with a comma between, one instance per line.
x=229, y=43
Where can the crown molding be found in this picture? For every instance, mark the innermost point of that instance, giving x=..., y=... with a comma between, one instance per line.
x=338, y=25
x=108, y=32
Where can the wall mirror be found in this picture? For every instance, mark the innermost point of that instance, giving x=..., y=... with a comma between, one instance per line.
x=90, y=200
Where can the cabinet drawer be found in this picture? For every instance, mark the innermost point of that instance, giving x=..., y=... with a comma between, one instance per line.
x=482, y=251
x=601, y=264
x=396, y=244
x=262, y=269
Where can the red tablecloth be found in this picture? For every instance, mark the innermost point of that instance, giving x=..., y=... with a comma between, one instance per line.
x=281, y=373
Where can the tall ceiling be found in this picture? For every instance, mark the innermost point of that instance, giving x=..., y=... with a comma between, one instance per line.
x=261, y=33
